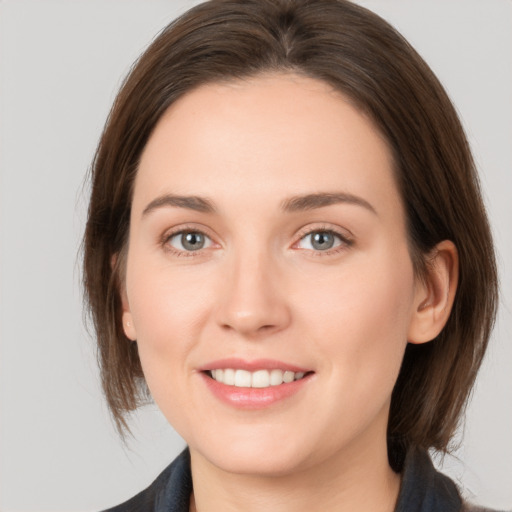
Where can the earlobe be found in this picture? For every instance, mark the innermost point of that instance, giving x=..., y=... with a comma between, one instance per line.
x=435, y=294
x=128, y=326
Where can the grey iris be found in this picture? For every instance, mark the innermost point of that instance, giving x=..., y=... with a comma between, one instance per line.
x=192, y=241
x=322, y=240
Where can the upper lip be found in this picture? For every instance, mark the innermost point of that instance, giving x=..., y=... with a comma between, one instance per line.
x=253, y=365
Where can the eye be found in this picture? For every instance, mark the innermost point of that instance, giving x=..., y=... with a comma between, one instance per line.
x=189, y=241
x=322, y=240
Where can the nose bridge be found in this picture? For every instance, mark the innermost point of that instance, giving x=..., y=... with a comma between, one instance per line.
x=253, y=299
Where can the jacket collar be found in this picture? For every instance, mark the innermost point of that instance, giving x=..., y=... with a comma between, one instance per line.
x=423, y=489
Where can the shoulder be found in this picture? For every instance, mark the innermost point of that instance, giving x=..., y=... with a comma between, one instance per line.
x=424, y=489
x=170, y=492
x=467, y=507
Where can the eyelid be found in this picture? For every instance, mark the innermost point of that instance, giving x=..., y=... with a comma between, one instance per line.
x=344, y=233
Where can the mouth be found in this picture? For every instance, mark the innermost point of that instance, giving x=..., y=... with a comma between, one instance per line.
x=256, y=384
x=259, y=379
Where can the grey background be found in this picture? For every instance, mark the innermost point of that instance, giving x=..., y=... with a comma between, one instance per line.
x=61, y=63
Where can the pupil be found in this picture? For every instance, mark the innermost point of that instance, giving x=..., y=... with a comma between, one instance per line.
x=323, y=241
x=192, y=241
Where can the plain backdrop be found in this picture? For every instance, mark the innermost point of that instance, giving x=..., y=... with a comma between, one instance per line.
x=61, y=64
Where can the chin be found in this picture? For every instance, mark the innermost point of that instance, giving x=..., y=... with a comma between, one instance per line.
x=255, y=456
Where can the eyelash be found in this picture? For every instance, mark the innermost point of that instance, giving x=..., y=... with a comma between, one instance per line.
x=345, y=240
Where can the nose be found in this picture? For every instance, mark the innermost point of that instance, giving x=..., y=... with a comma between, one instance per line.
x=254, y=300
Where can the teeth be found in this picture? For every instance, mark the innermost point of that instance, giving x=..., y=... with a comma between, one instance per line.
x=288, y=377
x=242, y=379
x=260, y=379
x=228, y=377
x=276, y=377
x=257, y=379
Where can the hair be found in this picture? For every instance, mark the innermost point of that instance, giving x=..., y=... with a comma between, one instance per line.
x=374, y=67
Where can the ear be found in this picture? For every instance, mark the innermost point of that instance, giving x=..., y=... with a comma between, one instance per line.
x=434, y=295
x=128, y=325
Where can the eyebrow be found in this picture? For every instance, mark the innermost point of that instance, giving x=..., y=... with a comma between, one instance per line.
x=313, y=201
x=196, y=203
x=290, y=205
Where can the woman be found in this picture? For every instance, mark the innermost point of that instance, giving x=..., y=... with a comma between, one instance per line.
x=286, y=246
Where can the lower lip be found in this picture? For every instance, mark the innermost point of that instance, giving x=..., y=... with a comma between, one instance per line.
x=254, y=398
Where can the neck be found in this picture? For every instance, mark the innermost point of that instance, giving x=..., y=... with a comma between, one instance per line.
x=355, y=479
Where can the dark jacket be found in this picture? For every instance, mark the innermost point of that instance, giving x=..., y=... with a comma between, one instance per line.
x=423, y=489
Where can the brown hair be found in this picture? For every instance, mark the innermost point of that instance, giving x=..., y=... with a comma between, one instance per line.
x=362, y=56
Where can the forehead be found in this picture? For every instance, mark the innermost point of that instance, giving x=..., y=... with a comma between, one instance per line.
x=257, y=134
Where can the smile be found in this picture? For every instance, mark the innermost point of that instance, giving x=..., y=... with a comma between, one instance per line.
x=256, y=384
x=257, y=379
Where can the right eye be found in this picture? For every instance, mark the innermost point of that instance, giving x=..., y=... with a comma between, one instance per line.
x=188, y=241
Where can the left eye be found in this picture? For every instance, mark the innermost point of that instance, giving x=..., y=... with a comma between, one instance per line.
x=320, y=241
x=189, y=241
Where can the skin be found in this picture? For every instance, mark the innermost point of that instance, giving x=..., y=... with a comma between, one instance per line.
x=260, y=289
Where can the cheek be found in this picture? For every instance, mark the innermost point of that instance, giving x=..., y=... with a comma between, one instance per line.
x=165, y=302
x=168, y=311
x=361, y=316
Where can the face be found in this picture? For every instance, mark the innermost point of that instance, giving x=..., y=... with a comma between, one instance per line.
x=269, y=284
